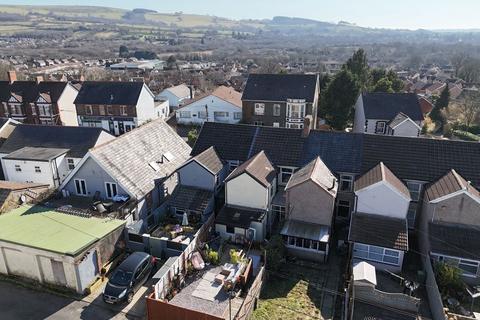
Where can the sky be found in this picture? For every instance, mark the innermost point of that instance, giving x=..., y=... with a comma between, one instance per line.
x=398, y=14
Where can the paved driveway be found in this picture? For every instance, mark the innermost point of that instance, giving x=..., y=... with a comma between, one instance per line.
x=21, y=303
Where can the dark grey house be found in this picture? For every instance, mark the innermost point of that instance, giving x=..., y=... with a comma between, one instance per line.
x=281, y=100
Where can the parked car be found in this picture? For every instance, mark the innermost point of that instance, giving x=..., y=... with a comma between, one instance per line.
x=130, y=275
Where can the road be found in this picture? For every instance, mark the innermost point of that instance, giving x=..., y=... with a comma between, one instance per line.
x=21, y=303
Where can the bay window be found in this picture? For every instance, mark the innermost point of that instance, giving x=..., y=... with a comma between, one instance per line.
x=259, y=109
x=378, y=254
x=296, y=110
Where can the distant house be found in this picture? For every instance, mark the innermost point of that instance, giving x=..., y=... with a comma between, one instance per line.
x=450, y=224
x=162, y=109
x=47, y=154
x=176, y=95
x=249, y=190
x=139, y=165
x=38, y=102
x=56, y=248
x=310, y=202
x=425, y=105
x=434, y=89
x=222, y=105
x=281, y=100
x=378, y=228
x=396, y=114
x=117, y=107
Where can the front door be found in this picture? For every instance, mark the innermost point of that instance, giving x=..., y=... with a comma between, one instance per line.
x=111, y=126
x=121, y=128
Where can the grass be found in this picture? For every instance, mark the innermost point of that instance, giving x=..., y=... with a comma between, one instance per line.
x=293, y=293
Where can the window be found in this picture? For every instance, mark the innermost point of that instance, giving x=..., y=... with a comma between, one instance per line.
x=378, y=254
x=88, y=109
x=296, y=110
x=258, y=123
x=259, y=109
x=17, y=110
x=415, y=189
x=237, y=115
x=276, y=110
x=70, y=164
x=18, y=168
x=34, y=109
x=233, y=164
x=220, y=114
x=411, y=214
x=184, y=114
x=285, y=174
x=111, y=189
x=469, y=268
x=109, y=110
x=343, y=208
x=37, y=169
x=80, y=187
x=276, y=125
x=278, y=211
x=123, y=110
x=380, y=127
x=44, y=110
x=101, y=109
x=295, y=125
x=230, y=229
x=346, y=182
x=202, y=114
x=5, y=109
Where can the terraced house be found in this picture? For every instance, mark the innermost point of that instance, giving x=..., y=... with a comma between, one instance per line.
x=38, y=102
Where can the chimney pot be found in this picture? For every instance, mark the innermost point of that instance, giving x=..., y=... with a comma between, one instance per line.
x=12, y=76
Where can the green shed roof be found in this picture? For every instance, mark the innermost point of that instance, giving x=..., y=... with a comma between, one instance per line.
x=42, y=228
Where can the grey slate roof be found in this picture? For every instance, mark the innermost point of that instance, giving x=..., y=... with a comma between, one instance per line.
x=28, y=91
x=450, y=183
x=210, y=160
x=454, y=240
x=258, y=167
x=379, y=231
x=385, y=106
x=317, y=172
x=381, y=173
x=77, y=139
x=190, y=198
x=409, y=158
x=280, y=87
x=238, y=217
x=129, y=156
x=36, y=153
x=398, y=119
x=109, y=92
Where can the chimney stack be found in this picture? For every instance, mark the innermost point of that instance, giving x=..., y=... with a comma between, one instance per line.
x=192, y=92
x=38, y=79
x=12, y=76
x=306, y=127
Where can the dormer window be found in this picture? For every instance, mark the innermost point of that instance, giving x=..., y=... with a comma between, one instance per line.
x=88, y=109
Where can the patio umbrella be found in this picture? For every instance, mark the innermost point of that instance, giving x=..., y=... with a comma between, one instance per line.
x=185, y=219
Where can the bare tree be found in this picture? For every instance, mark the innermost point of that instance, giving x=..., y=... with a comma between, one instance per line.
x=470, y=108
x=458, y=61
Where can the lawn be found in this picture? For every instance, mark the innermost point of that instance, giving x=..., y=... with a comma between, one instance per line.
x=295, y=292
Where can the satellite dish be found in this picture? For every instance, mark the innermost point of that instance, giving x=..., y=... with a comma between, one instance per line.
x=23, y=199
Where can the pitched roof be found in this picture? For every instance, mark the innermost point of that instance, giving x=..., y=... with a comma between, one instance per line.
x=422, y=159
x=450, y=183
x=379, y=231
x=181, y=91
x=280, y=87
x=425, y=105
x=228, y=94
x=77, y=139
x=210, y=160
x=398, y=119
x=258, y=167
x=36, y=153
x=454, y=240
x=317, y=172
x=381, y=173
x=385, y=106
x=306, y=230
x=238, y=217
x=142, y=156
x=29, y=91
x=109, y=92
x=190, y=198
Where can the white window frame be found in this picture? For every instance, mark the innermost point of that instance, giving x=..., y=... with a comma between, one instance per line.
x=109, y=192
x=456, y=262
x=18, y=168
x=343, y=203
x=285, y=171
x=88, y=109
x=38, y=169
x=70, y=164
x=79, y=186
x=202, y=114
x=347, y=178
x=237, y=115
x=277, y=110
x=373, y=253
x=294, y=125
x=292, y=111
x=184, y=114
x=380, y=127
x=44, y=110
x=259, y=109
x=123, y=110
x=221, y=114
x=233, y=164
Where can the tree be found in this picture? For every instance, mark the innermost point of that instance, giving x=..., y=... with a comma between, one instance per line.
x=383, y=85
x=192, y=136
x=458, y=62
x=339, y=98
x=470, y=108
x=275, y=252
x=358, y=66
x=171, y=62
x=441, y=106
x=123, y=51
